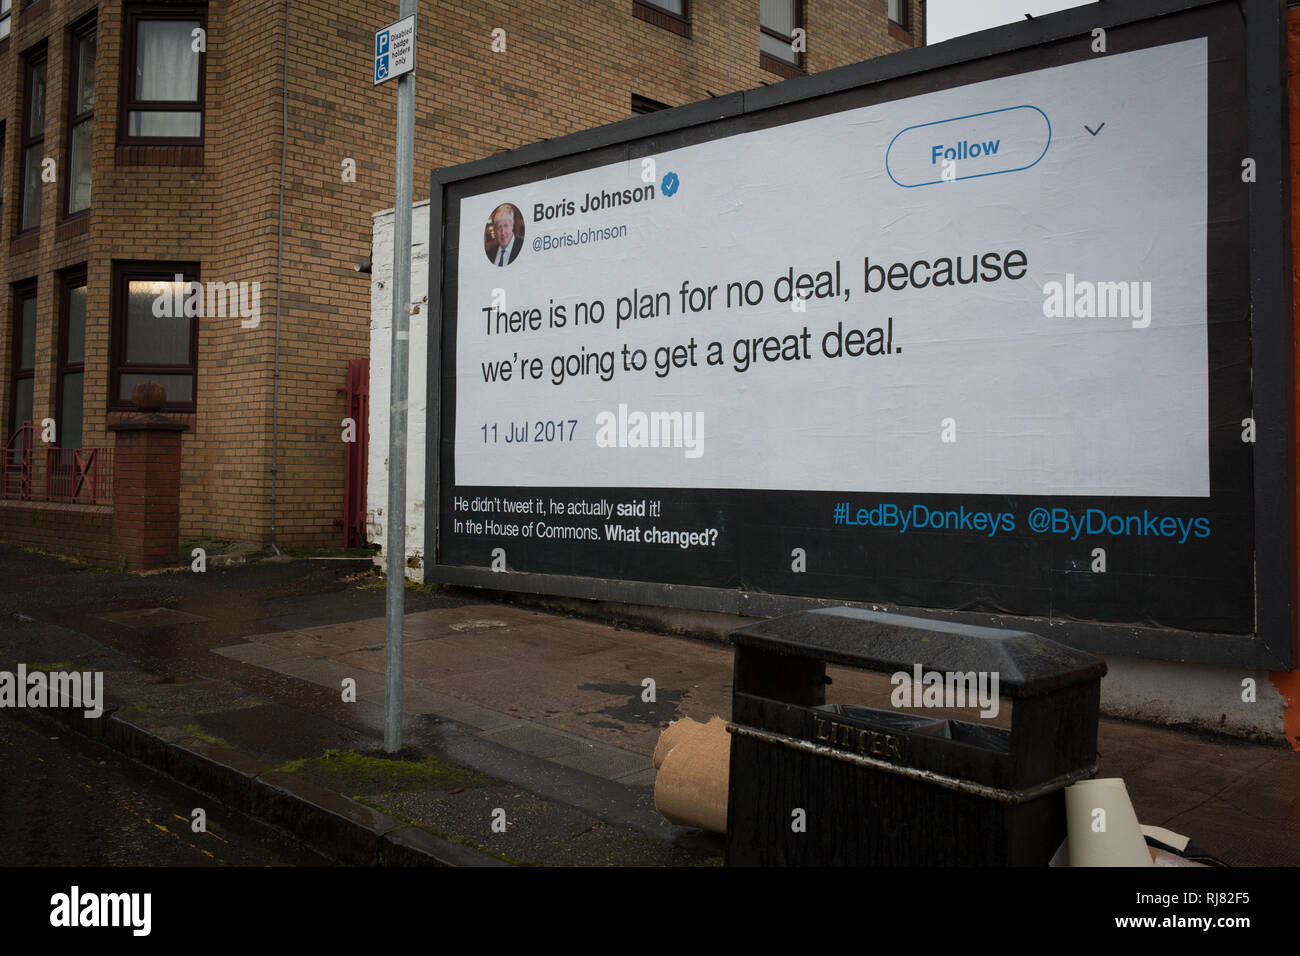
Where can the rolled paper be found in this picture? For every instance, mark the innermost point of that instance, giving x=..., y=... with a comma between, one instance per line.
x=1102, y=826
x=681, y=730
x=674, y=734
x=691, y=787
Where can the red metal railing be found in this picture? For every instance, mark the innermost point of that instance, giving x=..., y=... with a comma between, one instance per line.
x=16, y=472
x=81, y=475
x=39, y=473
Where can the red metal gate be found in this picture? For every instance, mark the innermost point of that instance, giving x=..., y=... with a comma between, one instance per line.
x=357, y=451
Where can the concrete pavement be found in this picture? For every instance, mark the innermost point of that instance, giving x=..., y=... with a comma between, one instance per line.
x=530, y=735
x=570, y=692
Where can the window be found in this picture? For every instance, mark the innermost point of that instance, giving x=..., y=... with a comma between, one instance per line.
x=162, y=95
x=81, y=115
x=33, y=140
x=898, y=12
x=72, y=358
x=777, y=21
x=24, y=356
x=6, y=17
x=153, y=338
x=643, y=104
x=672, y=15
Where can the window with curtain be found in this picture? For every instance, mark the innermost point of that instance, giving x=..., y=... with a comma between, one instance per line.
x=164, y=74
x=898, y=12
x=33, y=139
x=72, y=359
x=153, y=339
x=777, y=21
x=81, y=116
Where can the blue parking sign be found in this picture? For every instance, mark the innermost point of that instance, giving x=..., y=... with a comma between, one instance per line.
x=395, y=50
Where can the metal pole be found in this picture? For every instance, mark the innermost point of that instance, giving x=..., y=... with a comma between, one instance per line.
x=395, y=551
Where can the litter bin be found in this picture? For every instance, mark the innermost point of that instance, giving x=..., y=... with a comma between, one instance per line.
x=889, y=787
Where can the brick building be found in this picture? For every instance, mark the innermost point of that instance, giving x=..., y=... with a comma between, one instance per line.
x=145, y=142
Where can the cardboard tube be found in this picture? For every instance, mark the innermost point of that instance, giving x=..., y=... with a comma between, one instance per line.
x=1111, y=837
x=681, y=730
x=674, y=734
x=691, y=787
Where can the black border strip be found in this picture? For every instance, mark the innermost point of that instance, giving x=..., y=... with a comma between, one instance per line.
x=1271, y=335
x=1273, y=645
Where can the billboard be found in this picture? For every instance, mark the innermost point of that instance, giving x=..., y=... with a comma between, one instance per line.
x=974, y=331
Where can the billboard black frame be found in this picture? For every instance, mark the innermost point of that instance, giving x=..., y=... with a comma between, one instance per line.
x=1273, y=643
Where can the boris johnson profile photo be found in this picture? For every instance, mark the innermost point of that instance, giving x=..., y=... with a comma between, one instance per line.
x=505, y=234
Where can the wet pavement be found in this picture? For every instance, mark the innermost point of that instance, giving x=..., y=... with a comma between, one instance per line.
x=154, y=637
x=553, y=712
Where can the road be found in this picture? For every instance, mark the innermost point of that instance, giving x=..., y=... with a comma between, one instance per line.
x=68, y=801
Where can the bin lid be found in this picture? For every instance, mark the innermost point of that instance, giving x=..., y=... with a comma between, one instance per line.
x=1027, y=664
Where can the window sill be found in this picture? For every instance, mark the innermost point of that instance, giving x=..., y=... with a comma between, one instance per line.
x=78, y=224
x=128, y=155
x=662, y=18
x=780, y=67
x=900, y=34
x=25, y=243
x=188, y=420
x=122, y=414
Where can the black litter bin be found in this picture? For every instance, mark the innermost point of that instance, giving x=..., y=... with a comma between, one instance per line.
x=888, y=787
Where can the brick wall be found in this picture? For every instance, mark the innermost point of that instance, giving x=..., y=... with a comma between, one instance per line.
x=567, y=67
x=146, y=494
x=82, y=531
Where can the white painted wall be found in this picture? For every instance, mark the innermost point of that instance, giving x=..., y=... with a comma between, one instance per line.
x=381, y=335
x=1196, y=695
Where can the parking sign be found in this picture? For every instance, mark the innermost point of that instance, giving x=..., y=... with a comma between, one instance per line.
x=395, y=50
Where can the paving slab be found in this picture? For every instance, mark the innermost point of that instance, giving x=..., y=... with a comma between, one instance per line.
x=262, y=655
x=535, y=740
x=302, y=642
x=1216, y=790
x=421, y=700
x=329, y=673
x=608, y=762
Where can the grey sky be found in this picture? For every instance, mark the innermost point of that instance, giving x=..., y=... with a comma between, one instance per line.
x=952, y=18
